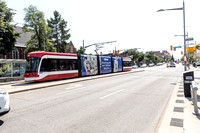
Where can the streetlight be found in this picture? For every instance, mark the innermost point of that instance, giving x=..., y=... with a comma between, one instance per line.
x=183, y=9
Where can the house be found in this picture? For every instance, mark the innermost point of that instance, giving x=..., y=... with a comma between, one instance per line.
x=19, y=50
x=71, y=48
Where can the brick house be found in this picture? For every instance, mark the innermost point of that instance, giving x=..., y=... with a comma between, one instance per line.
x=19, y=50
x=71, y=48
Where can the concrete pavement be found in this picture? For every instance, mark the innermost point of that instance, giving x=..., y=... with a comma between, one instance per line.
x=20, y=86
x=179, y=116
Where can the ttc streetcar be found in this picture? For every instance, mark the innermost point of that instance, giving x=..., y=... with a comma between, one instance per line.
x=43, y=66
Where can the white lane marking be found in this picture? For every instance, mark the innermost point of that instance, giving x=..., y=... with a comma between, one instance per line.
x=73, y=86
x=111, y=94
x=71, y=90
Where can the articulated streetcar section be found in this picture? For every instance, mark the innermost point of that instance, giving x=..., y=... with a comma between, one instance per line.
x=44, y=66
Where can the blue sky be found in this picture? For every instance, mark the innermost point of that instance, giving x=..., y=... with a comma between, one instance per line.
x=132, y=23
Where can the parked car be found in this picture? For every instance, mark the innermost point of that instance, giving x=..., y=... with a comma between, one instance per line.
x=134, y=67
x=198, y=63
x=172, y=64
x=151, y=64
x=143, y=65
x=4, y=102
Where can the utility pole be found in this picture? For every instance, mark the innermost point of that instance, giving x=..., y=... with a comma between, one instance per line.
x=83, y=47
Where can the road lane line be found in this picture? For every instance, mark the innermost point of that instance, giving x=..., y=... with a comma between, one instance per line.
x=111, y=94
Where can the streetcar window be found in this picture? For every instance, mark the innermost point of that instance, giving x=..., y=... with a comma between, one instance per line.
x=127, y=63
x=32, y=64
x=58, y=65
x=68, y=64
x=45, y=65
x=53, y=65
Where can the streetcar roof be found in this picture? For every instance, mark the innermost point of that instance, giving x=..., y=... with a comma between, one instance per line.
x=42, y=53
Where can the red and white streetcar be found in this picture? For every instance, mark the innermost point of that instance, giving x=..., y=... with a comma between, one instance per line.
x=42, y=66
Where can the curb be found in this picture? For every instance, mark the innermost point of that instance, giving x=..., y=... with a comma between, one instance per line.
x=78, y=80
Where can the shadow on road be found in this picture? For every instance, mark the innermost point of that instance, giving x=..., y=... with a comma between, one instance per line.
x=172, y=83
x=1, y=122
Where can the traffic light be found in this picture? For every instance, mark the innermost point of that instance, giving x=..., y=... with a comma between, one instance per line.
x=113, y=52
x=181, y=52
x=117, y=52
x=193, y=56
x=100, y=53
x=171, y=47
x=131, y=56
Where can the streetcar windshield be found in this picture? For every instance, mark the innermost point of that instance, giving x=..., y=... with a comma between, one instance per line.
x=32, y=64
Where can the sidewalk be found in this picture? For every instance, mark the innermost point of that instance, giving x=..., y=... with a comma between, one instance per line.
x=20, y=86
x=179, y=116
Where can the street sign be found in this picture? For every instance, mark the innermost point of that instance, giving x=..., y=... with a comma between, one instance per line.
x=189, y=39
x=191, y=49
x=198, y=46
x=177, y=47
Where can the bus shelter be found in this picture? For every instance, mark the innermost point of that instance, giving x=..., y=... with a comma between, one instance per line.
x=11, y=69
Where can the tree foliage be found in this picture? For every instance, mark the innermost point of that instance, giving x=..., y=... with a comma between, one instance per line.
x=35, y=22
x=80, y=50
x=59, y=34
x=8, y=35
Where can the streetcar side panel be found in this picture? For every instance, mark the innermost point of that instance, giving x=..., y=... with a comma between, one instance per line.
x=116, y=64
x=89, y=65
x=105, y=64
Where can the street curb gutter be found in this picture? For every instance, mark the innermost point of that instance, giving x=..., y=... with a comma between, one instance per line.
x=73, y=81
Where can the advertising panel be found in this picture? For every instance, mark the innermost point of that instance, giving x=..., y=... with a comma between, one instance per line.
x=105, y=64
x=89, y=65
x=117, y=64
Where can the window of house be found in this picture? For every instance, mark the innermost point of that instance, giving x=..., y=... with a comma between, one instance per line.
x=15, y=54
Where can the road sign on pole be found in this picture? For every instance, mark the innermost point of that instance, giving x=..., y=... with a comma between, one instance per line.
x=189, y=39
x=198, y=46
x=191, y=49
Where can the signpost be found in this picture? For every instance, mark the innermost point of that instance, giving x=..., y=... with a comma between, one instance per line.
x=191, y=49
x=189, y=39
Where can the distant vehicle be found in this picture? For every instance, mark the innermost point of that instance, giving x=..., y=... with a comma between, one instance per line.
x=143, y=65
x=134, y=67
x=151, y=64
x=159, y=64
x=172, y=64
x=4, y=102
x=198, y=63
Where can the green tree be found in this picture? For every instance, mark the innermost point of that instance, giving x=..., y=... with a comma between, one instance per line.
x=80, y=50
x=172, y=58
x=149, y=57
x=35, y=22
x=59, y=34
x=8, y=35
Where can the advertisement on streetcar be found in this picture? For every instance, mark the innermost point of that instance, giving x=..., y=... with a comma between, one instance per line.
x=117, y=64
x=89, y=65
x=105, y=64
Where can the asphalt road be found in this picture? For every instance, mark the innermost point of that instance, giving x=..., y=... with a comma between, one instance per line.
x=129, y=103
